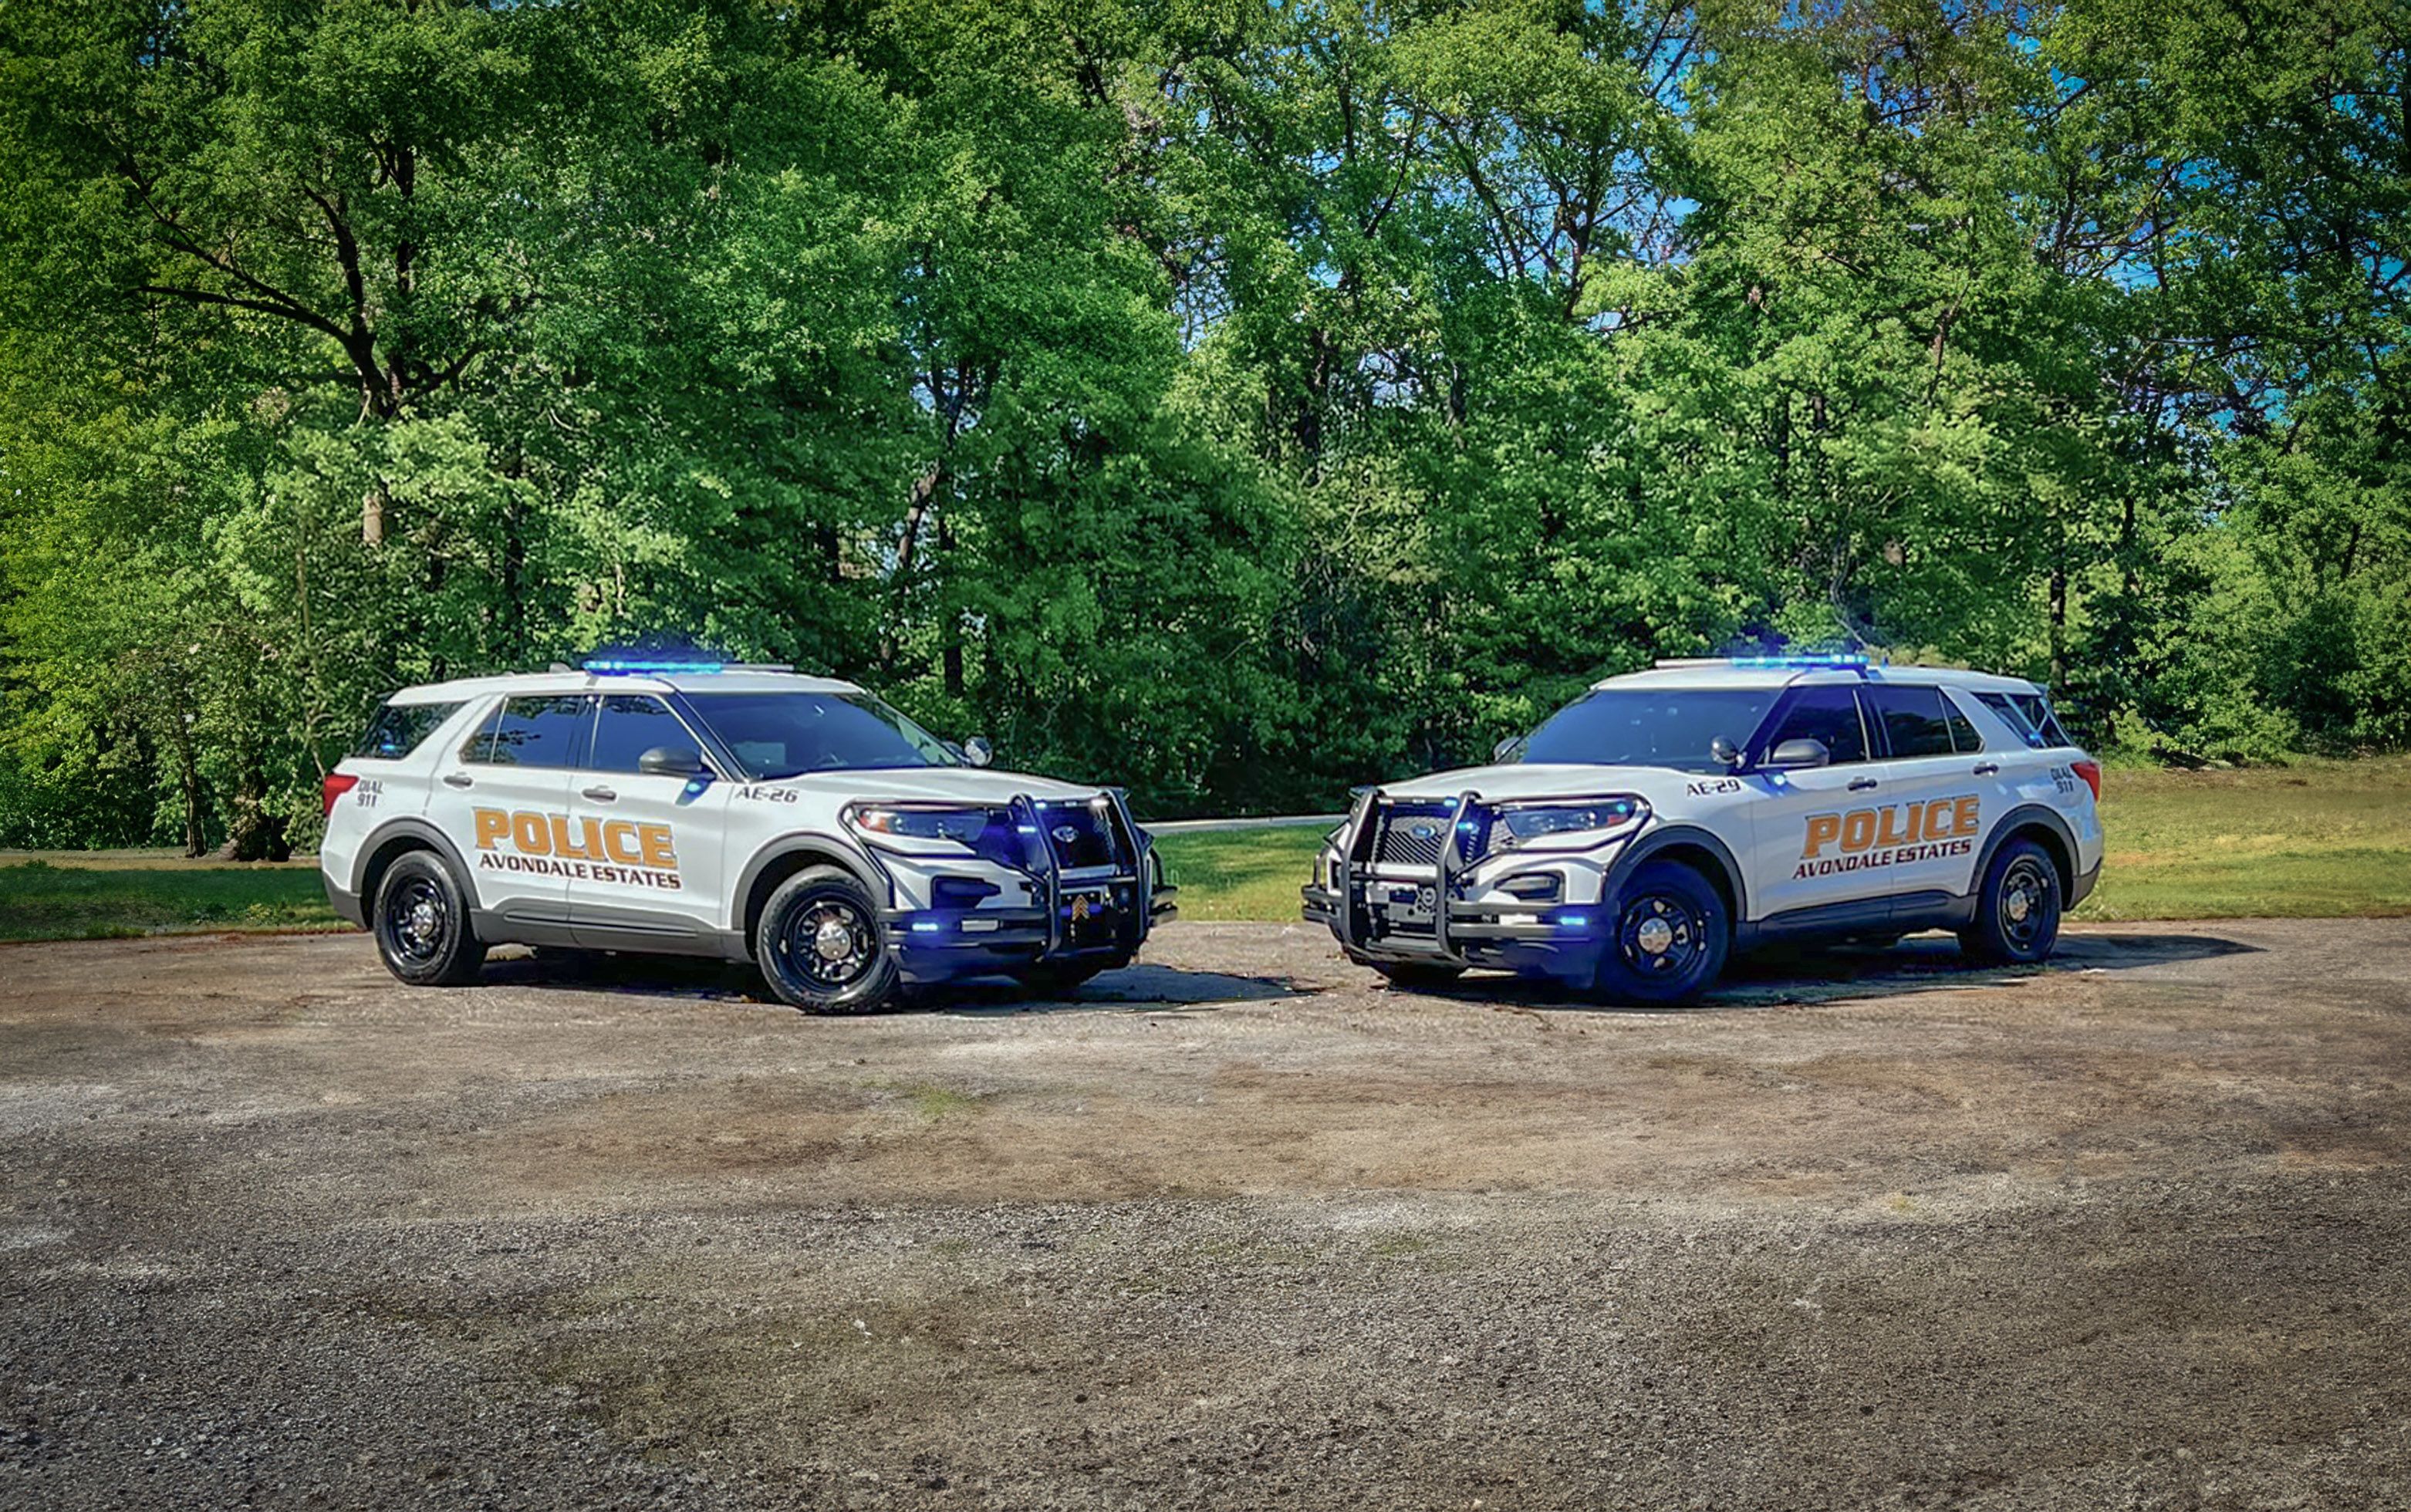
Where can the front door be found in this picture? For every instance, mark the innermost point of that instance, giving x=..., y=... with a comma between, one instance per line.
x=499, y=799
x=1811, y=827
x=650, y=851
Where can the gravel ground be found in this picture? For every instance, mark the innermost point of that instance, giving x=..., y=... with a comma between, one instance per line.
x=1239, y=1228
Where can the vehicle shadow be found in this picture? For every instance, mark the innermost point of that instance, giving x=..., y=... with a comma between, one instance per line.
x=1142, y=987
x=1804, y=976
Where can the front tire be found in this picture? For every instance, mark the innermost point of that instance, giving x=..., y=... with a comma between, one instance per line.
x=820, y=945
x=1668, y=940
x=2017, y=910
x=421, y=923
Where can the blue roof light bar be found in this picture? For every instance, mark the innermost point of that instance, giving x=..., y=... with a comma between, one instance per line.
x=621, y=666
x=1841, y=660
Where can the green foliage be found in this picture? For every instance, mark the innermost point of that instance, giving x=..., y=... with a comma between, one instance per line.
x=1237, y=402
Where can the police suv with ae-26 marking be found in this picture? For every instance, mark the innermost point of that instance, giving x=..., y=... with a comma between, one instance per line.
x=746, y=813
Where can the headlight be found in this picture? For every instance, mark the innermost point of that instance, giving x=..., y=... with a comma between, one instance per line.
x=988, y=833
x=1527, y=825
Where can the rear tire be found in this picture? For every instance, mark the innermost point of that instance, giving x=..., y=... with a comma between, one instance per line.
x=2017, y=909
x=1669, y=939
x=1411, y=974
x=821, y=947
x=420, y=919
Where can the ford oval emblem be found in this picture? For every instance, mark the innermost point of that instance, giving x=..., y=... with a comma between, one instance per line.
x=1423, y=832
x=1065, y=833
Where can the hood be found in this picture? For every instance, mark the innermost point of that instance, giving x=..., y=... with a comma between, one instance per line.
x=1538, y=781
x=935, y=784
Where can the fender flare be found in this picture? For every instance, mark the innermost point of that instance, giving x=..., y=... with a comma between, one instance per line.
x=1670, y=835
x=2019, y=818
x=854, y=858
x=415, y=828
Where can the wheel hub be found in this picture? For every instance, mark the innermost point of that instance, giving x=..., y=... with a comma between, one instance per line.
x=2017, y=905
x=833, y=941
x=1655, y=937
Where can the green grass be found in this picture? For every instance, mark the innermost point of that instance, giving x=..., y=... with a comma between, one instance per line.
x=1242, y=873
x=2314, y=839
x=42, y=900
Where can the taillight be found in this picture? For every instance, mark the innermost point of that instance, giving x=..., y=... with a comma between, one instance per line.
x=336, y=785
x=2091, y=773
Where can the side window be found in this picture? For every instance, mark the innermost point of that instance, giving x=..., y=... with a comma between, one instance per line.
x=1830, y=714
x=544, y=731
x=1913, y=722
x=398, y=728
x=630, y=725
x=1964, y=734
x=2014, y=717
x=2038, y=712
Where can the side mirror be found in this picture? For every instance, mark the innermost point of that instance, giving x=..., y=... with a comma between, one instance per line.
x=672, y=761
x=1801, y=752
x=1725, y=753
x=977, y=752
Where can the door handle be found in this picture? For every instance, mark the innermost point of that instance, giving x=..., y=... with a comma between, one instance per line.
x=1987, y=768
x=601, y=794
x=1861, y=784
x=459, y=779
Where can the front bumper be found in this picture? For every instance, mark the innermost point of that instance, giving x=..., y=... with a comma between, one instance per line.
x=1098, y=914
x=1455, y=912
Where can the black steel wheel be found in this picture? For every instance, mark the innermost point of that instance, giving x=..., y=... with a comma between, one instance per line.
x=420, y=919
x=2017, y=908
x=820, y=945
x=1668, y=939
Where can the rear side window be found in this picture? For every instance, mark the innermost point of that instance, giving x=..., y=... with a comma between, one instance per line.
x=544, y=731
x=399, y=728
x=1829, y=714
x=1913, y=720
x=1964, y=734
x=2015, y=718
x=2038, y=712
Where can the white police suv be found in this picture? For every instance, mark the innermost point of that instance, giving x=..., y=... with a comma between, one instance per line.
x=1672, y=817
x=741, y=812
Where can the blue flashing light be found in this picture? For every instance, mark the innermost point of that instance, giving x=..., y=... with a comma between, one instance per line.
x=928, y=926
x=1572, y=920
x=623, y=667
x=1847, y=660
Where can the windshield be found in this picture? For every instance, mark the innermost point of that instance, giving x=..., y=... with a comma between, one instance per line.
x=1669, y=727
x=788, y=734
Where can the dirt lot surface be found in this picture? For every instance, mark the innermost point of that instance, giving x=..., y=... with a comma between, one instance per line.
x=1241, y=1227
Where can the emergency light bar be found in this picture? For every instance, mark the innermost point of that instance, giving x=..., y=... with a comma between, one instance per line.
x=617, y=666
x=1837, y=659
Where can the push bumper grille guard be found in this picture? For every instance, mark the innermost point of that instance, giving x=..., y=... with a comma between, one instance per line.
x=1038, y=931
x=1458, y=926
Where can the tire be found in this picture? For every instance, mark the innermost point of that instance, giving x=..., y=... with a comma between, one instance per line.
x=2017, y=909
x=420, y=919
x=1417, y=973
x=1058, y=977
x=1668, y=942
x=793, y=945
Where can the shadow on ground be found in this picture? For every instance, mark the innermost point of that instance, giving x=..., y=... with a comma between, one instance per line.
x=1794, y=976
x=1143, y=986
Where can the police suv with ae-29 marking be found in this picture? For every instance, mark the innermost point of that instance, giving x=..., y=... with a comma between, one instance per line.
x=1673, y=817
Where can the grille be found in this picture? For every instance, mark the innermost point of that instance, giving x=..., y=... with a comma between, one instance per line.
x=1410, y=837
x=1090, y=841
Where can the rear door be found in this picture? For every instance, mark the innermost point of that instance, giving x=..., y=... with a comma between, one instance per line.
x=499, y=797
x=1806, y=850
x=650, y=848
x=1937, y=797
